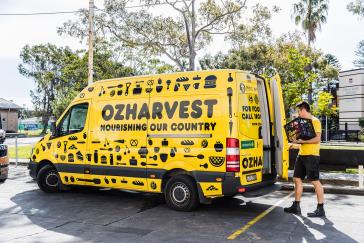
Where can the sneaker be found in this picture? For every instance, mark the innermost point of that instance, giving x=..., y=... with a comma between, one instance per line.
x=295, y=209
x=318, y=213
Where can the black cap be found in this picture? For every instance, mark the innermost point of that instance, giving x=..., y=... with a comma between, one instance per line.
x=304, y=104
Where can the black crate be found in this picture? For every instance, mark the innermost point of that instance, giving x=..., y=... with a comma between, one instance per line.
x=300, y=128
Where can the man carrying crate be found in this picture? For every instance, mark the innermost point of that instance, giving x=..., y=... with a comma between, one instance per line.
x=307, y=164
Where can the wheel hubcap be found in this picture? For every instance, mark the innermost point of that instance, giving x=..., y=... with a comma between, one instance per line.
x=180, y=193
x=52, y=179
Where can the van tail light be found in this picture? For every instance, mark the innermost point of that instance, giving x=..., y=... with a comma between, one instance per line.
x=232, y=155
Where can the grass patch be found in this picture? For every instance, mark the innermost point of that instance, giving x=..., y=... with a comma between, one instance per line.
x=352, y=171
x=32, y=133
x=24, y=152
x=347, y=171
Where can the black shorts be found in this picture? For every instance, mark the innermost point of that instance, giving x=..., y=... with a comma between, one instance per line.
x=307, y=165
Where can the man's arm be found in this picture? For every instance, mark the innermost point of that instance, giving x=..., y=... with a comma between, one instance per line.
x=294, y=145
x=314, y=140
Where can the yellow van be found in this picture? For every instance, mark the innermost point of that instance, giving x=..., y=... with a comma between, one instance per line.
x=193, y=136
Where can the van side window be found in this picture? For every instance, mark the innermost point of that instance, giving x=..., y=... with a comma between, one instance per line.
x=64, y=125
x=74, y=121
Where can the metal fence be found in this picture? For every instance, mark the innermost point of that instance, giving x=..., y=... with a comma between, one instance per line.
x=341, y=135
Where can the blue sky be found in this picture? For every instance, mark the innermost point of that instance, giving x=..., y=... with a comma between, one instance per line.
x=339, y=36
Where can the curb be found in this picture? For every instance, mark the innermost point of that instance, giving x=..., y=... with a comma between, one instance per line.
x=328, y=189
x=333, y=182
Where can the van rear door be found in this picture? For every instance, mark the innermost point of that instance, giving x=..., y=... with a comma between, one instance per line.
x=280, y=139
x=250, y=129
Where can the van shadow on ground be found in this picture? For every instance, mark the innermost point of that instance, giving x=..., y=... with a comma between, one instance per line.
x=114, y=216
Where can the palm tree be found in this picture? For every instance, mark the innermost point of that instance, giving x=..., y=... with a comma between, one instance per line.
x=311, y=14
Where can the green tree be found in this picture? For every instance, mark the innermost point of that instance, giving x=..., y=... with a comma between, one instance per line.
x=178, y=38
x=288, y=57
x=356, y=7
x=324, y=105
x=218, y=61
x=43, y=64
x=156, y=65
x=60, y=74
x=106, y=66
x=255, y=29
x=361, y=122
x=297, y=79
x=310, y=14
x=333, y=61
x=360, y=55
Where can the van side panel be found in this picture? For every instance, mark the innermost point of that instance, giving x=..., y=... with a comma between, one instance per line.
x=118, y=135
x=188, y=127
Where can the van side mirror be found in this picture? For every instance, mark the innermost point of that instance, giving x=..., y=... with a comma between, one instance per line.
x=53, y=127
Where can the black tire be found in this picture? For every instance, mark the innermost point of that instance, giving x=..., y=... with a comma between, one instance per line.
x=48, y=179
x=181, y=193
x=2, y=180
x=2, y=140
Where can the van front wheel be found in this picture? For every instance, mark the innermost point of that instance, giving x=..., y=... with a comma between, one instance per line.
x=48, y=179
x=181, y=193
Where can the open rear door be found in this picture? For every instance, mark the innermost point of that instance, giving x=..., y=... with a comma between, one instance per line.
x=280, y=138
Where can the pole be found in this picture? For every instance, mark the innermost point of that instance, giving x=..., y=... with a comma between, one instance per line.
x=326, y=128
x=361, y=184
x=90, y=42
x=16, y=151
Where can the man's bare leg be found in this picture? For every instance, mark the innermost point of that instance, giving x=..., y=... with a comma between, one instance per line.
x=298, y=188
x=319, y=212
x=319, y=191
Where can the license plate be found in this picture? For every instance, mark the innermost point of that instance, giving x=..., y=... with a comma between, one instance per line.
x=251, y=177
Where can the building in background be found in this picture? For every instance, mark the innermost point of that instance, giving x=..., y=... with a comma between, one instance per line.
x=351, y=98
x=9, y=115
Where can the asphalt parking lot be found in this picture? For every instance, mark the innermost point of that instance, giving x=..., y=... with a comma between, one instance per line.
x=90, y=215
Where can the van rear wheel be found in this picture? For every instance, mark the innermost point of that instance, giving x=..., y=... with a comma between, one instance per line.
x=181, y=193
x=48, y=179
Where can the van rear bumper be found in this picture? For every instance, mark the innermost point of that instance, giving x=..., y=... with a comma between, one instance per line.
x=32, y=167
x=231, y=186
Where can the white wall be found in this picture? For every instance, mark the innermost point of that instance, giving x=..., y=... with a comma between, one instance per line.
x=351, y=98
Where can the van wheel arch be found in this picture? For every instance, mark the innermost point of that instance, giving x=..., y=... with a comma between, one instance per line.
x=169, y=174
x=42, y=164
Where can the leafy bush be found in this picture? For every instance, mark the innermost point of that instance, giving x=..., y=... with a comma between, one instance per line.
x=361, y=122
